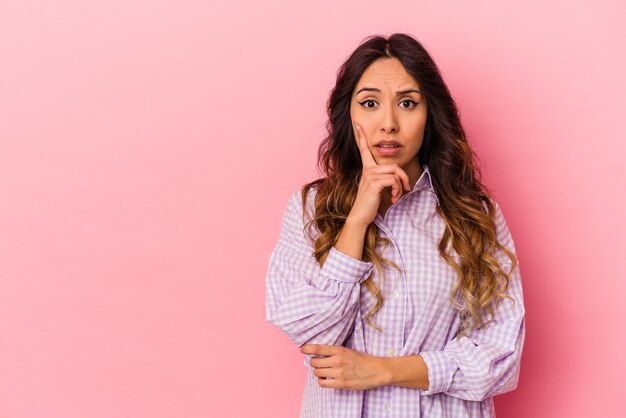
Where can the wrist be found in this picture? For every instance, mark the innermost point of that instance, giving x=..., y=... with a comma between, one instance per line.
x=387, y=372
x=354, y=223
x=407, y=371
x=392, y=368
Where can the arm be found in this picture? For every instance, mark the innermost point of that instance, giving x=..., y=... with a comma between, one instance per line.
x=311, y=304
x=407, y=371
x=481, y=364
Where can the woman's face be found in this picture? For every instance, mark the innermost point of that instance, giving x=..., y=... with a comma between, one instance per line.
x=387, y=104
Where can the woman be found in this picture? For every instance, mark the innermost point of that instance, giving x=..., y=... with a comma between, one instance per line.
x=396, y=273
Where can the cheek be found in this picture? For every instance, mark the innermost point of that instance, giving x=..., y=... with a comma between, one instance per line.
x=356, y=118
x=417, y=132
x=354, y=111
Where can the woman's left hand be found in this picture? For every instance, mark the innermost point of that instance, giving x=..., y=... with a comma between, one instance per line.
x=346, y=368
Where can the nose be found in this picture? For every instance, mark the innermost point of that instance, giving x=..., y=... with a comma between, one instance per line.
x=389, y=123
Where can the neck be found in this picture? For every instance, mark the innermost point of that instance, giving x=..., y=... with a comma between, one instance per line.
x=414, y=171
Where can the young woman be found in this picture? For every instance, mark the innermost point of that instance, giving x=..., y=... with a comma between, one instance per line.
x=396, y=273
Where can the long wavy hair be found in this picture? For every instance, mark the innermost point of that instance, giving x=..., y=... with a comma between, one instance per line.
x=464, y=202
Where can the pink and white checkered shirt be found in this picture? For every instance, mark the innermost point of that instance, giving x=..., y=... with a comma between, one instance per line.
x=327, y=305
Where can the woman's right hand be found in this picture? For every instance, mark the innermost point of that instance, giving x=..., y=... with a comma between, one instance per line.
x=374, y=179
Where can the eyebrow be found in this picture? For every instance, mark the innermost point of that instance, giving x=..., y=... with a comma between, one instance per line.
x=398, y=93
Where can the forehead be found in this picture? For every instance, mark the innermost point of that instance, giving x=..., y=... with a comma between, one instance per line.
x=386, y=73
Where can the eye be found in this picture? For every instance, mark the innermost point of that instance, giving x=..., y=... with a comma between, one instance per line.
x=410, y=106
x=367, y=101
x=411, y=101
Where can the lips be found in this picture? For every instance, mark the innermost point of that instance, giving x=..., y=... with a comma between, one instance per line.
x=389, y=142
x=387, y=151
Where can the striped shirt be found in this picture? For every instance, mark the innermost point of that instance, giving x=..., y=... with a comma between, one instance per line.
x=328, y=305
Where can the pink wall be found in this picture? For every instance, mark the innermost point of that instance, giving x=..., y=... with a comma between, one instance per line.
x=147, y=149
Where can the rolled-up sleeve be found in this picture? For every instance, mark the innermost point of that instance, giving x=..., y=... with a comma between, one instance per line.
x=311, y=304
x=486, y=362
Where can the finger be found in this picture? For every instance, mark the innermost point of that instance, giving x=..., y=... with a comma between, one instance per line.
x=405, y=179
x=393, y=169
x=320, y=349
x=366, y=154
x=329, y=383
x=321, y=362
x=327, y=372
x=397, y=187
x=382, y=181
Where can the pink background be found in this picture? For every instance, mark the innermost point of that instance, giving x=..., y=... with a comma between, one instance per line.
x=147, y=150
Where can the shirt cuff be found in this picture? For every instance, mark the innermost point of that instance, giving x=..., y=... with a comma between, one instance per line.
x=440, y=371
x=345, y=268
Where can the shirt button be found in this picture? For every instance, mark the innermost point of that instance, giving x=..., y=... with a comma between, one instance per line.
x=387, y=407
x=396, y=294
x=392, y=351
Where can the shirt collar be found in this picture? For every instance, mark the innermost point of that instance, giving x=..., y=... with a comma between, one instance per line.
x=425, y=182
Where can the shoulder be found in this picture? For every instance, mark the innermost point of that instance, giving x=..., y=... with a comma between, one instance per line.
x=298, y=213
x=503, y=233
x=496, y=215
x=301, y=203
